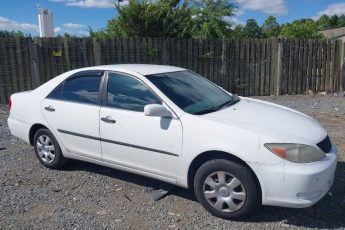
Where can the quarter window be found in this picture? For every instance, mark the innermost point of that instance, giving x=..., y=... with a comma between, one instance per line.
x=82, y=89
x=128, y=93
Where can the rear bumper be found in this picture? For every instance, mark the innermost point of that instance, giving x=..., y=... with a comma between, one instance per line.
x=19, y=129
x=296, y=185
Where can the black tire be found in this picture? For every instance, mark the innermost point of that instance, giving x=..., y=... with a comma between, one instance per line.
x=223, y=191
x=56, y=162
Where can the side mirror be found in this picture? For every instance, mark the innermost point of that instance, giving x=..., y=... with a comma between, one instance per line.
x=156, y=110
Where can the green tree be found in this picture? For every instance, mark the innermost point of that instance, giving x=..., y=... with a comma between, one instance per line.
x=252, y=29
x=5, y=33
x=170, y=18
x=97, y=34
x=210, y=18
x=67, y=35
x=341, y=20
x=333, y=21
x=237, y=32
x=304, y=28
x=323, y=23
x=19, y=34
x=271, y=27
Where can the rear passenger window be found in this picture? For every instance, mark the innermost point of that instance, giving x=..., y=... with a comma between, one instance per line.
x=83, y=89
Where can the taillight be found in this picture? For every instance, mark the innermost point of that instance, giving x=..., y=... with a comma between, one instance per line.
x=9, y=103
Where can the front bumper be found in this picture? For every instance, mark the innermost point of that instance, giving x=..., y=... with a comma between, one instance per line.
x=296, y=185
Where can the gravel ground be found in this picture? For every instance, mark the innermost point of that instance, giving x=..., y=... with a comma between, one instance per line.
x=86, y=196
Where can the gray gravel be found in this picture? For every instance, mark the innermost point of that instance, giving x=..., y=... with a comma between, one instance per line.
x=86, y=196
x=310, y=104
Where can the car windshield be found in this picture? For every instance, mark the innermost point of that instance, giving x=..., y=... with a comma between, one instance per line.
x=191, y=92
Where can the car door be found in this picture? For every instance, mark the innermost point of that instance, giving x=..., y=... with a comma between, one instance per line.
x=131, y=139
x=72, y=111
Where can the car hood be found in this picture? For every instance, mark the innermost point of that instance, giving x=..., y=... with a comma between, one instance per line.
x=270, y=120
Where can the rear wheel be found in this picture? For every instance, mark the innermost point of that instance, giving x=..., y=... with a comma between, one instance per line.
x=226, y=189
x=47, y=149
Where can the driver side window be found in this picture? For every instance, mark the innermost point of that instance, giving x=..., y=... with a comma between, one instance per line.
x=125, y=92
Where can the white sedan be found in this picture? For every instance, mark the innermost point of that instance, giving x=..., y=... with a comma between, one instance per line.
x=173, y=125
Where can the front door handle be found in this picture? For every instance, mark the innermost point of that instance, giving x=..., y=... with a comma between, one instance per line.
x=49, y=108
x=108, y=119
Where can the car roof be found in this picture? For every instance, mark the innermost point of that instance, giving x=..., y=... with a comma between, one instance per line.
x=143, y=69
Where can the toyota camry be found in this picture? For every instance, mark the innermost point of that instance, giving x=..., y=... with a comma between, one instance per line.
x=173, y=125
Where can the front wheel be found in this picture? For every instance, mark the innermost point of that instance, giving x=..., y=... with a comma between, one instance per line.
x=226, y=189
x=47, y=149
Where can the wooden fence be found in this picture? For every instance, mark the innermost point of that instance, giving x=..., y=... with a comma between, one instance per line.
x=247, y=67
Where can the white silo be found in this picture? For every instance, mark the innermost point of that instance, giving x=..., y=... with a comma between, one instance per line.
x=45, y=22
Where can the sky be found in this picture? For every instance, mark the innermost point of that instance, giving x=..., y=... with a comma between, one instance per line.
x=75, y=16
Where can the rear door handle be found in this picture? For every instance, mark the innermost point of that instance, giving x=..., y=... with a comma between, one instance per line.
x=49, y=108
x=108, y=119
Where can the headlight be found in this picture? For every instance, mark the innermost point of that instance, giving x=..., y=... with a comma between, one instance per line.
x=297, y=153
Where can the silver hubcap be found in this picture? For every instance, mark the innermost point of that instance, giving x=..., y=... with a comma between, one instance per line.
x=224, y=191
x=45, y=149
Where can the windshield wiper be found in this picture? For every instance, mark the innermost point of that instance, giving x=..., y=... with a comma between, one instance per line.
x=218, y=107
x=228, y=103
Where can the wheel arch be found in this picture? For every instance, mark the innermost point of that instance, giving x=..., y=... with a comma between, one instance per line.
x=211, y=155
x=33, y=130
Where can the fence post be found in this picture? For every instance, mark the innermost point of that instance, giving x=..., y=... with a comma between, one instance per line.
x=96, y=46
x=223, y=67
x=342, y=68
x=279, y=67
x=2, y=73
x=65, y=47
x=33, y=63
x=163, y=47
x=82, y=46
x=20, y=64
